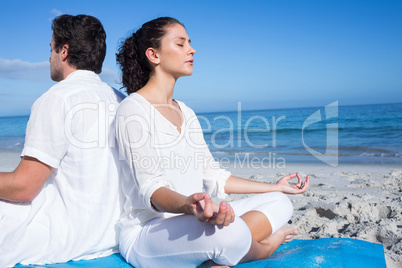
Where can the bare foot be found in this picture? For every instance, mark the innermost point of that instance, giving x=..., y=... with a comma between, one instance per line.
x=281, y=236
x=265, y=248
x=292, y=232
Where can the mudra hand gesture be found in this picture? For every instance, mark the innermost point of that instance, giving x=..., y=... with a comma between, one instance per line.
x=285, y=187
x=205, y=210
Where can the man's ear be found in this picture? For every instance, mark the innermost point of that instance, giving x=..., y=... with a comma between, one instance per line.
x=64, y=52
x=152, y=55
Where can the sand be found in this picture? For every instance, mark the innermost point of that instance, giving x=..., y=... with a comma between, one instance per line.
x=357, y=201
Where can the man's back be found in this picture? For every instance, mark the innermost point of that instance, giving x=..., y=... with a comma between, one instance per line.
x=73, y=217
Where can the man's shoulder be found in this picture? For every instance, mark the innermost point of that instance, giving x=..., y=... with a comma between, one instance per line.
x=85, y=83
x=79, y=81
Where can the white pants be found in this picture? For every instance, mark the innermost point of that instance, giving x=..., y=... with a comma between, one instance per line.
x=183, y=241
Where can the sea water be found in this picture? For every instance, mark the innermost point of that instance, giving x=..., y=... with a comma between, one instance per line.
x=12, y=132
x=363, y=134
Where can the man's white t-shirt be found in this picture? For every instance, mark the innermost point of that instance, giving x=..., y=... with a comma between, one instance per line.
x=71, y=128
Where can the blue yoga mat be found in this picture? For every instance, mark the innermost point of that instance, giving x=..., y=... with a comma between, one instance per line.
x=112, y=261
x=325, y=252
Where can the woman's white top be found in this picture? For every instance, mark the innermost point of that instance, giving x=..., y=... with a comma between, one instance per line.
x=158, y=155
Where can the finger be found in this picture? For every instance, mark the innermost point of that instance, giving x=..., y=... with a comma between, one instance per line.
x=228, y=217
x=219, y=217
x=208, y=211
x=198, y=197
x=284, y=180
x=193, y=201
x=306, y=184
x=232, y=213
x=195, y=198
x=299, y=180
x=290, y=176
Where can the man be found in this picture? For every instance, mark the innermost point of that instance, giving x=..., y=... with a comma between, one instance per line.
x=61, y=203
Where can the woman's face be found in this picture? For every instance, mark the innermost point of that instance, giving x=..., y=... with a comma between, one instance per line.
x=176, y=53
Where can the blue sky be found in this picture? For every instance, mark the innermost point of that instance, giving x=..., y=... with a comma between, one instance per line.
x=266, y=54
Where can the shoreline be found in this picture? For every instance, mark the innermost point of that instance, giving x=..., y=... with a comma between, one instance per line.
x=350, y=200
x=9, y=160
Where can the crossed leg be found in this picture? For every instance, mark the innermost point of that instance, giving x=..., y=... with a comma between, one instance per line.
x=264, y=244
x=266, y=235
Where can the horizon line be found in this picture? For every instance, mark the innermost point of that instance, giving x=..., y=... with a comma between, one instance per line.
x=250, y=110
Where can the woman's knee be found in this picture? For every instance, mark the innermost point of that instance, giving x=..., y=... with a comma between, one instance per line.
x=277, y=207
x=286, y=204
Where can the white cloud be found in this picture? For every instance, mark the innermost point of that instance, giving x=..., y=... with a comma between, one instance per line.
x=109, y=76
x=56, y=12
x=40, y=72
x=18, y=69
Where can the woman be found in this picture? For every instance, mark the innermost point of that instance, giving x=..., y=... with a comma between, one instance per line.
x=169, y=220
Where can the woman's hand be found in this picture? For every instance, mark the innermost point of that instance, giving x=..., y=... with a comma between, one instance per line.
x=284, y=186
x=205, y=210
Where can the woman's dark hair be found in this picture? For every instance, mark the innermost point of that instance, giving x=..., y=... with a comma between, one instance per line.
x=86, y=40
x=133, y=62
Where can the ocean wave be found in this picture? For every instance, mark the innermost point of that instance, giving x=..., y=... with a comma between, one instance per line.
x=264, y=131
x=18, y=145
x=349, y=152
x=271, y=153
x=382, y=155
x=391, y=129
x=365, y=149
